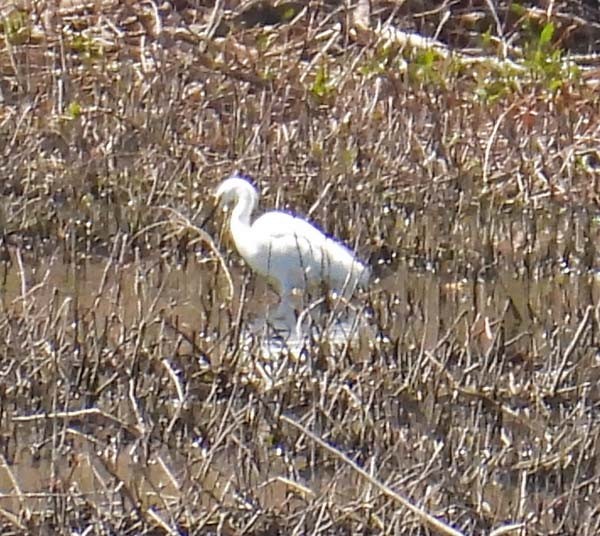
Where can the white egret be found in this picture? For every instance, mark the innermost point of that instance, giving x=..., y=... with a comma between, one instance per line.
x=288, y=251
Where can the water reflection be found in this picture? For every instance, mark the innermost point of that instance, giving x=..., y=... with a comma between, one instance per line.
x=296, y=334
x=101, y=330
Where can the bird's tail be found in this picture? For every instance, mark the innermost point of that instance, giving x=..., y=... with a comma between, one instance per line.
x=364, y=275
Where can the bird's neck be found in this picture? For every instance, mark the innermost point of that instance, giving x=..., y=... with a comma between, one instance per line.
x=240, y=225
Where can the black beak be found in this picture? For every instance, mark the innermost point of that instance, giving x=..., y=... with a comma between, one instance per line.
x=211, y=213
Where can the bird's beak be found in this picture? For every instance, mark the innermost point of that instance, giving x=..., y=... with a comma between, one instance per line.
x=211, y=212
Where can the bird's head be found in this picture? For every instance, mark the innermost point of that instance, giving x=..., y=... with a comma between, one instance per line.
x=234, y=189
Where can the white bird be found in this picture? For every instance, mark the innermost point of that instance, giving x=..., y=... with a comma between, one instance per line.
x=288, y=251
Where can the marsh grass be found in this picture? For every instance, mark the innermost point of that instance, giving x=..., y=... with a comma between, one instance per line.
x=130, y=401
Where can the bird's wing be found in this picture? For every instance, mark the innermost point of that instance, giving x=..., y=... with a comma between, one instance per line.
x=298, y=252
x=280, y=225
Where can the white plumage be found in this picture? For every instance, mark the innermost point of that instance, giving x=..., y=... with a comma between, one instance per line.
x=288, y=251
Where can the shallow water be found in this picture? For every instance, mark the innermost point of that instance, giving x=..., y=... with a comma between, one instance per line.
x=110, y=334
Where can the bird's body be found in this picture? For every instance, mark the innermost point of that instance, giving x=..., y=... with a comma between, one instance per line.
x=287, y=250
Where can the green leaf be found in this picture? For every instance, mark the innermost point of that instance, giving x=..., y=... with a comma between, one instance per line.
x=518, y=9
x=289, y=10
x=486, y=37
x=74, y=110
x=15, y=27
x=547, y=34
x=426, y=58
x=322, y=84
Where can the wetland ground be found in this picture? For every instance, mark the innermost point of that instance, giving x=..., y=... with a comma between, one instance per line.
x=464, y=168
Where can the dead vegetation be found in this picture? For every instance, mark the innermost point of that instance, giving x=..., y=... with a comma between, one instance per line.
x=463, y=165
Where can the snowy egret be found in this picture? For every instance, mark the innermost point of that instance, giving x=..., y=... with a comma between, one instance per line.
x=288, y=251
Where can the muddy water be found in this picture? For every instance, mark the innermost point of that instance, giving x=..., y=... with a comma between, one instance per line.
x=151, y=318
